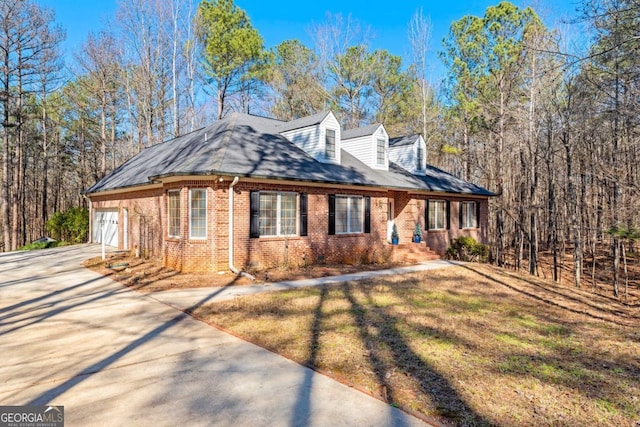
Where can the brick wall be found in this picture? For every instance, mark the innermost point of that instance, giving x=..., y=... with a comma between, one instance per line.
x=317, y=246
x=192, y=254
x=212, y=254
x=439, y=240
x=140, y=206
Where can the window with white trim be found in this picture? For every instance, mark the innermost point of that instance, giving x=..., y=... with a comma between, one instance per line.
x=349, y=214
x=419, y=156
x=468, y=215
x=173, y=197
x=198, y=213
x=330, y=144
x=380, y=152
x=437, y=214
x=278, y=213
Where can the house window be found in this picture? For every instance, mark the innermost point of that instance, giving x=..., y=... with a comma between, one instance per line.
x=349, y=214
x=437, y=213
x=419, y=156
x=330, y=144
x=380, y=152
x=198, y=213
x=174, y=213
x=468, y=215
x=278, y=213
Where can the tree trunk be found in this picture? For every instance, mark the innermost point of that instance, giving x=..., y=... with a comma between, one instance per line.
x=45, y=169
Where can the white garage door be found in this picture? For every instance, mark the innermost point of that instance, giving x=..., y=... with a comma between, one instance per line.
x=109, y=220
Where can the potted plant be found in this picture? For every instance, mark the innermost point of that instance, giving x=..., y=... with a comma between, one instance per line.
x=394, y=235
x=417, y=233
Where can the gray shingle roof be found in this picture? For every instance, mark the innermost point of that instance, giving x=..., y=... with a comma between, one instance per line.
x=402, y=140
x=303, y=122
x=250, y=146
x=358, y=132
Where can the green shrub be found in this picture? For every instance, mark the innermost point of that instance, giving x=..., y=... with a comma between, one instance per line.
x=38, y=245
x=71, y=225
x=55, y=225
x=467, y=248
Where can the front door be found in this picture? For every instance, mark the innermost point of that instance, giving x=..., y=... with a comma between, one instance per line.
x=390, y=219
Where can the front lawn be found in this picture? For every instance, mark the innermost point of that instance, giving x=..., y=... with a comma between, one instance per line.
x=469, y=345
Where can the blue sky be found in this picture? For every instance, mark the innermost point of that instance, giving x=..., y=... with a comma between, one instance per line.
x=279, y=20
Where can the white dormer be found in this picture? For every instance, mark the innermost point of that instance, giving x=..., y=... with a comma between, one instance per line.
x=410, y=153
x=318, y=135
x=369, y=144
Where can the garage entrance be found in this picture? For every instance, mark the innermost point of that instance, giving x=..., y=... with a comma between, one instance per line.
x=107, y=219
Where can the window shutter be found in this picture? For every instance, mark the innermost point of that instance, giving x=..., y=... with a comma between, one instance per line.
x=448, y=214
x=303, y=213
x=367, y=214
x=254, y=209
x=460, y=207
x=478, y=214
x=332, y=214
x=426, y=214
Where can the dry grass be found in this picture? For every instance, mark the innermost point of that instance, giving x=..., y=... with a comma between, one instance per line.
x=149, y=275
x=467, y=345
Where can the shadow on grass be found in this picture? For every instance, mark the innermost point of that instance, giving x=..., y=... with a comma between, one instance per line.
x=388, y=350
x=302, y=409
x=596, y=312
x=546, y=344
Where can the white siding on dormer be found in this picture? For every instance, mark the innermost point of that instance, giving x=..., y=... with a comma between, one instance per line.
x=403, y=156
x=406, y=156
x=307, y=139
x=365, y=148
x=360, y=148
x=311, y=139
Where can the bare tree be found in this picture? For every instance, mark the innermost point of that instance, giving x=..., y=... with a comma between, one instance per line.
x=420, y=29
x=147, y=61
x=27, y=39
x=341, y=45
x=100, y=60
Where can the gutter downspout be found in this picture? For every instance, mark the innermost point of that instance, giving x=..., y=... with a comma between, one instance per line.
x=231, y=241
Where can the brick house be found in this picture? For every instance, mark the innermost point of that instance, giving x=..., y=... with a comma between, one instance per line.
x=253, y=192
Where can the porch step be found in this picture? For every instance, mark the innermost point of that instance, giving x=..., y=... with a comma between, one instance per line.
x=412, y=253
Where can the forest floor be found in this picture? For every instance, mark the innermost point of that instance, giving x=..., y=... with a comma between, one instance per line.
x=597, y=277
x=468, y=345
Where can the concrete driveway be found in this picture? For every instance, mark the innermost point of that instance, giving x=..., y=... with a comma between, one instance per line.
x=113, y=356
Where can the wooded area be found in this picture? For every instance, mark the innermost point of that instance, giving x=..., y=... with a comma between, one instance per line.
x=554, y=132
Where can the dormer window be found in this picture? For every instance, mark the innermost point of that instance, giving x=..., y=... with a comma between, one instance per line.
x=419, y=156
x=380, y=152
x=330, y=144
